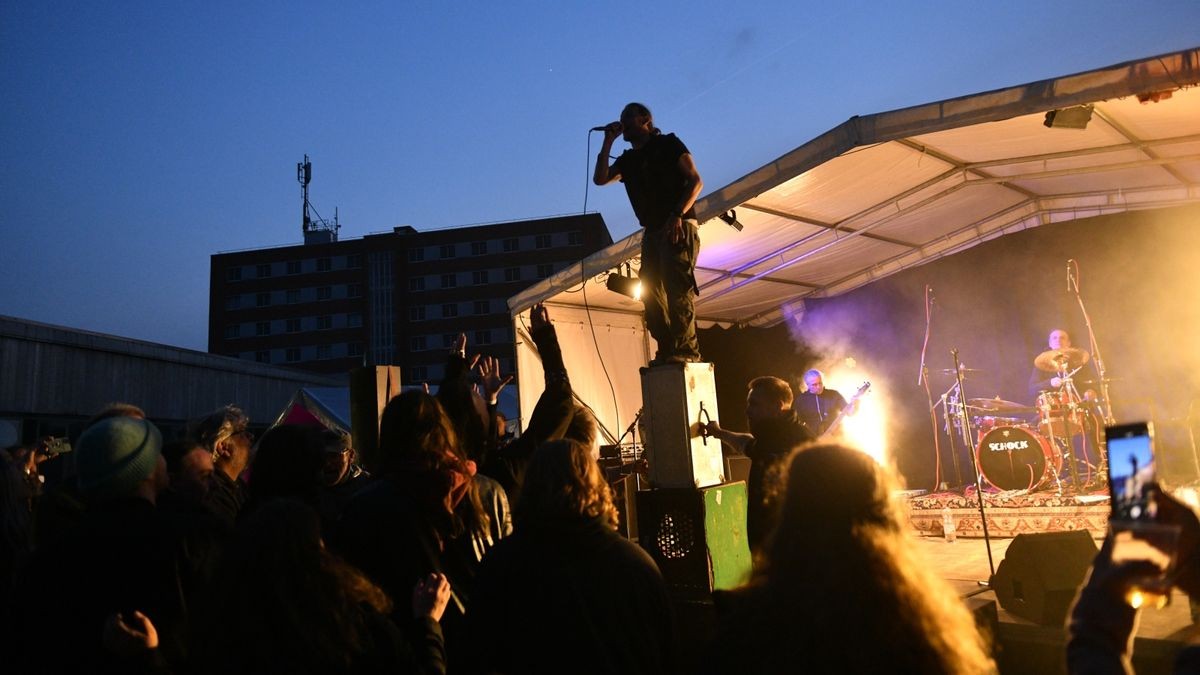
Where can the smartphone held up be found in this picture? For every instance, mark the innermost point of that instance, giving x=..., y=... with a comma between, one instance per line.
x=1137, y=534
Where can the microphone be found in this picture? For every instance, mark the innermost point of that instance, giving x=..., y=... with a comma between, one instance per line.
x=600, y=128
x=1068, y=276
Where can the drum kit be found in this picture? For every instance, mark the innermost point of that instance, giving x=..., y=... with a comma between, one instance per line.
x=1016, y=453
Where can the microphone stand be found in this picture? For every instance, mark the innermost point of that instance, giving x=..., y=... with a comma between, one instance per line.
x=923, y=378
x=987, y=539
x=1101, y=371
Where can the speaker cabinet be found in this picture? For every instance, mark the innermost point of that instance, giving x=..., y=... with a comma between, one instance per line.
x=697, y=537
x=677, y=400
x=371, y=388
x=1040, y=574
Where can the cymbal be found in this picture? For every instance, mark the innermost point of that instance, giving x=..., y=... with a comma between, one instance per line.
x=1054, y=360
x=951, y=371
x=998, y=405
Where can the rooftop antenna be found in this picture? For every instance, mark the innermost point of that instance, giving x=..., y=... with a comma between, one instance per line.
x=316, y=230
x=304, y=176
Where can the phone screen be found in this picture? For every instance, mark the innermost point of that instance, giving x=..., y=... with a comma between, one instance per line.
x=1135, y=533
x=1130, y=470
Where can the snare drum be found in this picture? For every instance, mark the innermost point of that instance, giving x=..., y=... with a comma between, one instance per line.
x=1054, y=414
x=1017, y=458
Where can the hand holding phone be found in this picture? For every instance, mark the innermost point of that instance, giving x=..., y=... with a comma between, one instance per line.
x=1136, y=532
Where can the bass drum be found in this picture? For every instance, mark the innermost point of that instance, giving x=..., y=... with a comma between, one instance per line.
x=1017, y=458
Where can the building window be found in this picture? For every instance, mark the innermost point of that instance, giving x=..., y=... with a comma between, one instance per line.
x=324, y=292
x=293, y=296
x=233, y=274
x=293, y=267
x=448, y=339
x=293, y=325
x=263, y=356
x=479, y=277
x=416, y=284
x=449, y=280
x=511, y=244
x=354, y=290
x=446, y=251
x=449, y=310
x=483, y=337
x=416, y=254
x=416, y=313
x=418, y=374
x=262, y=299
x=234, y=331
x=542, y=241
x=262, y=328
x=354, y=320
x=354, y=261
x=354, y=349
x=324, y=264
x=264, y=271
x=512, y=274
x=574, y=238
x=324, y=352
x=324, y=322
x=417, y=343
x=292, y=354
x=234, y=302
x=544, y=270
x=479, y=248
x=483, y=306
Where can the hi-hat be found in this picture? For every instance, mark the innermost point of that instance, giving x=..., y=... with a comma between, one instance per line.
x=999, y=405
x=1056, y=360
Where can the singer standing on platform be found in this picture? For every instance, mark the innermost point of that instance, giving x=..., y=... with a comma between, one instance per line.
x=662, y=183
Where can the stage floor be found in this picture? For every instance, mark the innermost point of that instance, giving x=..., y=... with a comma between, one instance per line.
x=1028, y=647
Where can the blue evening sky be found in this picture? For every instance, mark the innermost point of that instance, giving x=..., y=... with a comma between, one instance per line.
x=139, y=137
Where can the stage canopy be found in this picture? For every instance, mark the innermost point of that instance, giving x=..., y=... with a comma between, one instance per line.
x=885, y=192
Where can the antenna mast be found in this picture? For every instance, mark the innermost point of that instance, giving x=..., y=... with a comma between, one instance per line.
x=318, y=230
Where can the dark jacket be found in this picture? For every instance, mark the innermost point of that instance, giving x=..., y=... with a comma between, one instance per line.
x=773, y=441
x=570, y=596
x=123, y=556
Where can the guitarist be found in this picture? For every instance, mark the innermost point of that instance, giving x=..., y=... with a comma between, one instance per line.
x=818, y=407
x=774, y=432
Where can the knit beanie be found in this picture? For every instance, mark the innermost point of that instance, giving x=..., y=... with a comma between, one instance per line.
x=115, y=454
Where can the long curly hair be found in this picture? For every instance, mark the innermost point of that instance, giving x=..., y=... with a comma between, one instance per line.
x=564, y=481
x=283, y=603
x=418, y=448
x=841, y=587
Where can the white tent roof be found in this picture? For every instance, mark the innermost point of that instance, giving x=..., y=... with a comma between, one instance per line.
x=884, y=192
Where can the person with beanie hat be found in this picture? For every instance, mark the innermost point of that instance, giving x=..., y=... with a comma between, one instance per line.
x=123, y=557
x=121, y=457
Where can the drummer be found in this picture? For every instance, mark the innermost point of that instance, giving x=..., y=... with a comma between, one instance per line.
x=1059, y=339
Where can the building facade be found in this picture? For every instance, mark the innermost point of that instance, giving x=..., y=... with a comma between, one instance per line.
x=396, y=298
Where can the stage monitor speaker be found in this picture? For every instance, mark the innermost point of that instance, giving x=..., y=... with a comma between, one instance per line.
x=677, y=400
x=1040, y=574
x=697, y=537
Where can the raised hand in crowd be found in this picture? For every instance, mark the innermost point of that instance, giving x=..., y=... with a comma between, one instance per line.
x=490, y=378
x=129, y=635
x=539, y=316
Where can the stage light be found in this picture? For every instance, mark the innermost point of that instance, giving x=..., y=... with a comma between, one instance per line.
x=1075, y=117
x=730, y=218
x=628, y=286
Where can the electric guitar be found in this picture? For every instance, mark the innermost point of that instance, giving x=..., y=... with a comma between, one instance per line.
x=842, y=413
